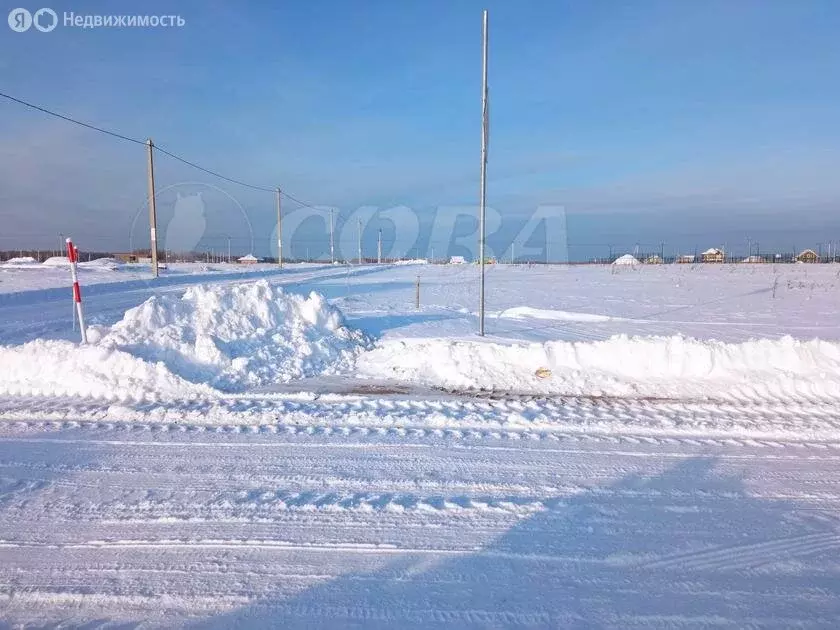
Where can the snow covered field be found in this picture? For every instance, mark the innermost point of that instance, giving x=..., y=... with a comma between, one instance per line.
x=643, y=446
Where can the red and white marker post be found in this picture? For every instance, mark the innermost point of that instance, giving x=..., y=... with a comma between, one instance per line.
x=73, y=257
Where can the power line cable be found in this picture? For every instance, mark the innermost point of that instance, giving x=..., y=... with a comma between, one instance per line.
x=298, y=201
x=72, y=120
x=232, y=180
x=214, y=173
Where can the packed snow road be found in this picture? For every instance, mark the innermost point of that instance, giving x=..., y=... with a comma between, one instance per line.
x=655, y=447
x=328, y=525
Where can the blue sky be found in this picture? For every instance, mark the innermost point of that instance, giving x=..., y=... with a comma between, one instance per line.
x=693, y=123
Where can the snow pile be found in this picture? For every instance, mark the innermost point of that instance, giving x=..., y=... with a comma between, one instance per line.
x=526, y=312
x=226, y=337
x=21, y=260
x=672, y=367
x=237, y=336
x=627, y=259
x=62, y=368
x=102, y=264
x=56, y=261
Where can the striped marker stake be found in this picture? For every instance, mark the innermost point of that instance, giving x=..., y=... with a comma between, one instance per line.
x=73, y=304
x=73, y=256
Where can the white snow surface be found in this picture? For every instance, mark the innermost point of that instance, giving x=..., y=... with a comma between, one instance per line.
x=235, y=336
x=688, y=477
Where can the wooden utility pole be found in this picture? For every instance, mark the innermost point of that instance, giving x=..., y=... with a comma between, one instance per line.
x=150, y=147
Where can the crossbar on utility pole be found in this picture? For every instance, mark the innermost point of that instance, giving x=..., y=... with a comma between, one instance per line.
x=483, y=191
x=150, y=147
x=279, y=231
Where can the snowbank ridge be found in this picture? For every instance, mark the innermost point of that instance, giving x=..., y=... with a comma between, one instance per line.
x=656, y=367
x=63, y=368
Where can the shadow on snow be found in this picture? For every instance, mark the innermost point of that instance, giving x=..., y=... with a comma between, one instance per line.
x=686, y=547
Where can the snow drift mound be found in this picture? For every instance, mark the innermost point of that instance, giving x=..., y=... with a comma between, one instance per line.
x=627, y=259
x=101, y=264
x=237, y=336
x=21, y=260
x=213, y=338
x=62, y=368
x=56, y=261
x=527, y=312
x=656, y=367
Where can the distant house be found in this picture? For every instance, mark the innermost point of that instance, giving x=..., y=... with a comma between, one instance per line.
x=808, y=256
x=653, y=260
x=685, y=259
x=712, y=255
x=754, y=259
x=250, y=259
x=126, y=258
x=457, y=260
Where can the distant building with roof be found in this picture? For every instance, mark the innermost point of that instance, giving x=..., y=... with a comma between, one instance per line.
x=808, y=256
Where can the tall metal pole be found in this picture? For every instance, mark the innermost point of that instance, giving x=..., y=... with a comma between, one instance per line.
x=360, y=241
x=150, y=148
x=279, y=231
x=379, y=248
x=332, y=241
x=484, y=130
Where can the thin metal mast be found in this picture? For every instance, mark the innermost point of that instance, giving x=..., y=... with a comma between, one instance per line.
x=484, y=134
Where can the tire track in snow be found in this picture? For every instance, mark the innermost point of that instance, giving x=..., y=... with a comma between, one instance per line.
x=737, y=557
x=401, y=434
x=789, y=421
